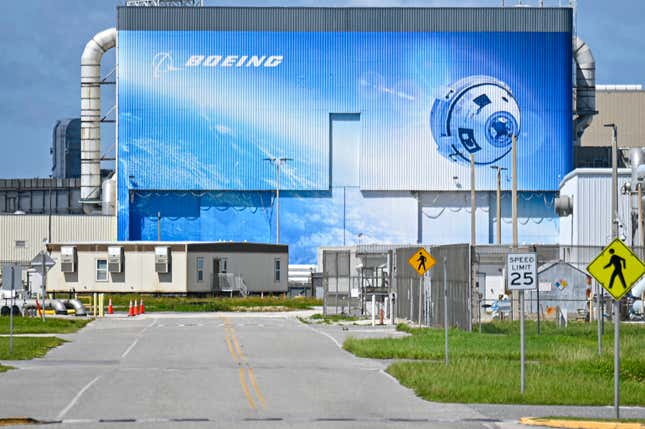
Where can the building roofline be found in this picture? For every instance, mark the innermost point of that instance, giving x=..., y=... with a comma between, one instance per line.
x=593, y=172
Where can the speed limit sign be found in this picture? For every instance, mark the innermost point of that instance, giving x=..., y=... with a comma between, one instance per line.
x=521, y=271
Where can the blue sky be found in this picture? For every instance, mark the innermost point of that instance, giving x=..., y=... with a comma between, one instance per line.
x=41, y=42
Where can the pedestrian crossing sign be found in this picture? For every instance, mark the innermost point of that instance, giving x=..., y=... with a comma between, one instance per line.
x=617, y=268
x=421, y=261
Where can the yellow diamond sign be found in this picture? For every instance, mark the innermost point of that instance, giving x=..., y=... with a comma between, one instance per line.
x=617, y=268
x=421, y=261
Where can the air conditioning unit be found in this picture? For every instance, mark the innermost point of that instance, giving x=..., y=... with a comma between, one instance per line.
x=162, y=259
x=68, y=259
x=115, y=259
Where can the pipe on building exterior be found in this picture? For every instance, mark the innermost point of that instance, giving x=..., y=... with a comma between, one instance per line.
x=76, y=305
x=91, y=118
x=585, y=95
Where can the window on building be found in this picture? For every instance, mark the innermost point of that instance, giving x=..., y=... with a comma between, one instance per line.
x=276, y=270
x=101, y=270
x=11, y=204
x=21, y=243
x=200, y=269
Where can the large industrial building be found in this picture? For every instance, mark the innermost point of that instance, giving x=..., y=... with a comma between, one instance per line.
x=372, y=125
x=375, y=111
x=364, y=118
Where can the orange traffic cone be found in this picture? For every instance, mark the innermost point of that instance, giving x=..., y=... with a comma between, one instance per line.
x=130, y=310
x=110, y=309
x=136, y=308
x=142, y=309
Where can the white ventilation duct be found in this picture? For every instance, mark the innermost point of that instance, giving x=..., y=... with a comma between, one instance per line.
x=91, y=118
x=585, y=94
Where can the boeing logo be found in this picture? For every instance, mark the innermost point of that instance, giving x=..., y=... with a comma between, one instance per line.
x=234, y=61
x=163, y=63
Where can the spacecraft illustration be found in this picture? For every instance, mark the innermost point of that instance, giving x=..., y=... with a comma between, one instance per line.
x=475, y=115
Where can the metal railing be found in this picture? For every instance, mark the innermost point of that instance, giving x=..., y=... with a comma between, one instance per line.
x=230, y=283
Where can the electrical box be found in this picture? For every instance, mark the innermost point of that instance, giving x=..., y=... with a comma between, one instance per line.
x=162, y=259
x=115, y=259
x=68, y=259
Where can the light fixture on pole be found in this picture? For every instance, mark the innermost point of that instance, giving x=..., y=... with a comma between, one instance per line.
x=277, y=162
x=499, y=201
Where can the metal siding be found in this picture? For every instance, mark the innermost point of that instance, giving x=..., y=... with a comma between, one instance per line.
x=34, y=228
x=345, y=19
x=592, y=209
x=626, y=109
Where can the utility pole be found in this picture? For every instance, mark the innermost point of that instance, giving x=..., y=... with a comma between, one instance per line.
x=641, y=232
x=614, y=234
x=498, y=205
x=473, y=241
x=277, y=162
x=473, y=205
x=614, y=180
x=514, y=190
x=515, y=240
x=515, y=245
x=44, y=279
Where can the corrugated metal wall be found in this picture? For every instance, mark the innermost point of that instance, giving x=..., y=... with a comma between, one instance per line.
x=40, y=196
x=345, y=19
x=590, y=223
x=386, y=63
x=21, y=236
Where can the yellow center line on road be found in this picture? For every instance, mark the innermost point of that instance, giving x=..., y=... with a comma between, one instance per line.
x=235, y=350
x=255, y=387
x=230, y=346
x=245, y=387
x=237, y=346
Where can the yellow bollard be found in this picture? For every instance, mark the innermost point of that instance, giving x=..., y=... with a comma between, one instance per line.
x=94, y=299
x=101, y=302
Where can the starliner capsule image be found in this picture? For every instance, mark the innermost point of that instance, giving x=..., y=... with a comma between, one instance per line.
x=478, y=115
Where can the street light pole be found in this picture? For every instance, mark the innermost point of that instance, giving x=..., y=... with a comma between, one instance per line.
x=641, y=237
x=473, y=201
x=614, y=233
x=514, y=191
x=278, y=163
x=499, y=201
x=614, y=180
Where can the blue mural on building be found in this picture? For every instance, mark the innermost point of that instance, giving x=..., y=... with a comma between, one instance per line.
x=201, y=111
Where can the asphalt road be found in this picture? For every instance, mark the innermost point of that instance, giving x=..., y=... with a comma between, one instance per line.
x=229, y=371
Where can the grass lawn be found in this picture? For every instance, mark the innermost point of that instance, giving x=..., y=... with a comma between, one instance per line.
x=188, y=304
x=4, y=368
x=27, y=347
x=563, y=366
x=35, y=325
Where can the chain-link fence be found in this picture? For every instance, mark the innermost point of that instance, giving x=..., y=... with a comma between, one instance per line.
x=475, y=279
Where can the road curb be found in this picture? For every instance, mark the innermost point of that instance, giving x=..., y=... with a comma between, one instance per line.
x=578, y=424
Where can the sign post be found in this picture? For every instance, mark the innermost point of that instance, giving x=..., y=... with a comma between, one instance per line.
x=617, y=269
x=599, y=316
x=421, y=261
x=445, y=305
x=521, y=275
x=42, y=262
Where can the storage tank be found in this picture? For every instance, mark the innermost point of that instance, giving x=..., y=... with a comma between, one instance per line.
x=108, y=196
